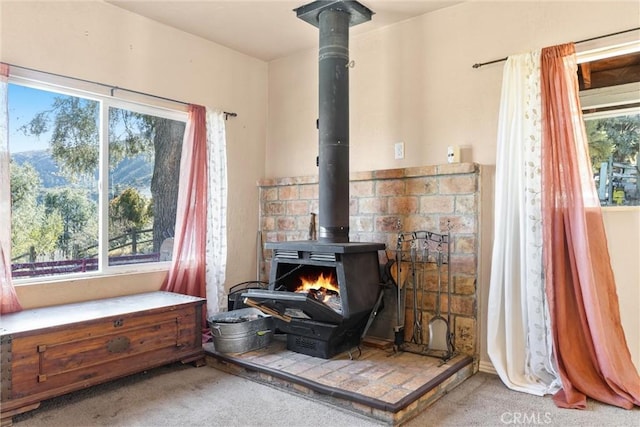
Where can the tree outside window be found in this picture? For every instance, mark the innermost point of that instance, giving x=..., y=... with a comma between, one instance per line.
x=613, y=148
x=56, y=151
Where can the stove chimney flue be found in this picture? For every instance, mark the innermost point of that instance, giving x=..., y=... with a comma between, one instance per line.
x=333, y=19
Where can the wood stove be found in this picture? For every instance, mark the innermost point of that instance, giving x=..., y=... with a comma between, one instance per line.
x=315, y=326
x=343, y=284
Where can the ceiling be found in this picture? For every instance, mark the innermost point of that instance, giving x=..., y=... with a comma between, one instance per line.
x=264, y=29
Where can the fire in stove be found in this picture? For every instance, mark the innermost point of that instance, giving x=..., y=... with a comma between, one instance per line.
x=322, y=289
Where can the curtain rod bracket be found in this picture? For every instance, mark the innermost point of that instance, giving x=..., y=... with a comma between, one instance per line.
x=227, y=115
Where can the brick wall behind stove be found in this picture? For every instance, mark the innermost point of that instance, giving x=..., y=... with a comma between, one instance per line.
x=384, y=202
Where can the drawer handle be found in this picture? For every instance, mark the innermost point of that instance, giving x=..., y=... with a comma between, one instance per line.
x=118, y=345
x=118, y=323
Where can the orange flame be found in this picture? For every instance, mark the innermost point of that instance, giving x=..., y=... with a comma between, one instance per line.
x=321, y=282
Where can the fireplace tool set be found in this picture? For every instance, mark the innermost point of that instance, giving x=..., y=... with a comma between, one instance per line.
x=421, y=258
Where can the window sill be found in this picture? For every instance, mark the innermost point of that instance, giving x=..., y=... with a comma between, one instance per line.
x=84, y=287
x=114, y=272
x=621, y=208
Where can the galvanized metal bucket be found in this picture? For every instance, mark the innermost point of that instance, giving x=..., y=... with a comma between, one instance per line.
x=240, y=331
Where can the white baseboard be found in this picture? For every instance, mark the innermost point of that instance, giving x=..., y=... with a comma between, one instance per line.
x=487, y=367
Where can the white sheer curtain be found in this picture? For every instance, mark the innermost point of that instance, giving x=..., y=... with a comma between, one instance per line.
x=8, y=299
x=5, y=199
x=216, y=246
x=519, y=337
x=5, y=190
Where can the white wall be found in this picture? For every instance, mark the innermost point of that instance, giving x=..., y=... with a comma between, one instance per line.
x=414, y=82
x=622, y=225
x=96, y=41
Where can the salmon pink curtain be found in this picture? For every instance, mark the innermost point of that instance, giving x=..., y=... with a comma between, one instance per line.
x=8, y=298
x=187, y=272
x=200, y=245
x=591, y=351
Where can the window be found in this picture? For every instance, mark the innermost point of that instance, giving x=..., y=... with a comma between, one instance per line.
x=610, y=98
x=94, y=181
x=613, y=148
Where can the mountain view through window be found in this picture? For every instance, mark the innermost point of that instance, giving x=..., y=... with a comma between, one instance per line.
x=62, y=147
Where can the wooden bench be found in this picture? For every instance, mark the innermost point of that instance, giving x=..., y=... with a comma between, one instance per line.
x=50, y=351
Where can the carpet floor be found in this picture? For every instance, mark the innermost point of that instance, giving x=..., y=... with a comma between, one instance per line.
x=177, y=395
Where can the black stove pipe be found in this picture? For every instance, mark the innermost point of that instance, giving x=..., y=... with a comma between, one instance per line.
x=333, y=126
x=333, y=19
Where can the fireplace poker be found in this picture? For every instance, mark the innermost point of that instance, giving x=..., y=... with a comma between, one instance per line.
x=451, y=337
x=425, y=261
x=399, y=328
x=417, y=318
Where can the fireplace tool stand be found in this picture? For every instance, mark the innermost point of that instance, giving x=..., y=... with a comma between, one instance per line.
x=427, y=254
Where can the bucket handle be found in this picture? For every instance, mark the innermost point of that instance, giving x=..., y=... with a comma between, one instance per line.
x=214, y=329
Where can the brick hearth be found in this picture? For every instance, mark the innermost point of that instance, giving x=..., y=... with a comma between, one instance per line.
x=376, y=383
x=386, y=383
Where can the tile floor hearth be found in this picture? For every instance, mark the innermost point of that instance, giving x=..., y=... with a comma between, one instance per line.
x=388, y=386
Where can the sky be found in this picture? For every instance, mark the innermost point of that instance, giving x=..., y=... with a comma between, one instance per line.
x=24, y=104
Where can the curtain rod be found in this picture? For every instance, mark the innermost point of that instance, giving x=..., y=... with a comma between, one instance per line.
x=114, y=88
x=481, y=64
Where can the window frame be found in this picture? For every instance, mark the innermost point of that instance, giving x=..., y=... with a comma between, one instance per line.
x=108, y=97
x=622, y=96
